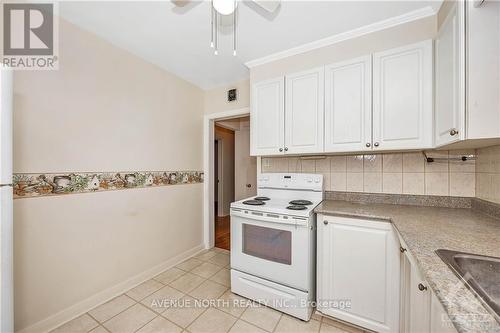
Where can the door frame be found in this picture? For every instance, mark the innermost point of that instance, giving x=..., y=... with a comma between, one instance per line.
x=220, y=176
x=208, y=169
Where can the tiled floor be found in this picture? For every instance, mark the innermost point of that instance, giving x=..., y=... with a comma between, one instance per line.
x=191, y=285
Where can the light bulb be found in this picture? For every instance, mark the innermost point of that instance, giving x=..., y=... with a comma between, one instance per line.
x=225, y=7
x=212, y=44
x=216, y=52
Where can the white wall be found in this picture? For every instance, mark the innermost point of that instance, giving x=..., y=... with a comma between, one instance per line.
x=103, y=110
x=377, y=41
x=215, y=100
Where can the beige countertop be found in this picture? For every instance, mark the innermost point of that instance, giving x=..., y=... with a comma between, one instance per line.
x=426, y=229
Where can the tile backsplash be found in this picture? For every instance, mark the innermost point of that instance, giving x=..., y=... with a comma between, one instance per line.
x=488, y=174
x=397, y=173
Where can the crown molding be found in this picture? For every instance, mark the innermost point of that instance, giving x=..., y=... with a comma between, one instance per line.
x=377, y=26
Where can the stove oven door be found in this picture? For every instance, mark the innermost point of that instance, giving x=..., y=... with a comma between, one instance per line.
x=271, y=247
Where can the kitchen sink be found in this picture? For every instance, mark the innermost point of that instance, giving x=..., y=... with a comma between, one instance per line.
x=480, y=273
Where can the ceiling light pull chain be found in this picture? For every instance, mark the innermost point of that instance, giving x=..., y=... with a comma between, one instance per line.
x=234, y=28
x=212, y=24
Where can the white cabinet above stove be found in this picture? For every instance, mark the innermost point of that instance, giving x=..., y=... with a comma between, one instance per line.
x=380, y=101
x=291, y=122
x=268, y=116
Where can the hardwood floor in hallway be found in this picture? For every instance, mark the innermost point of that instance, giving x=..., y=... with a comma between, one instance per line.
x=222, y=232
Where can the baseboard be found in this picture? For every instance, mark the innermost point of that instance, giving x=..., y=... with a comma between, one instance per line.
x=78, y=309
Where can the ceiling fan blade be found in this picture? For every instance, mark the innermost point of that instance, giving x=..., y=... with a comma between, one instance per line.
x=181, y=3
x=269, y=6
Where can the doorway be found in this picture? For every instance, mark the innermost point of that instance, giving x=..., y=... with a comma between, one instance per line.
x=235, y=173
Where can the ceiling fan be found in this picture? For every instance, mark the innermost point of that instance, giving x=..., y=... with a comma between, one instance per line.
x=226, y=8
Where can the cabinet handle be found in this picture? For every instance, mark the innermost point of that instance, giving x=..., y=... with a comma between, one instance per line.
x=421, y=287
x=281, y=149
x=368, y=144
x=402, y=249
x=376, y=144
x=453, y=132
x=325, y=222
x=286, y=148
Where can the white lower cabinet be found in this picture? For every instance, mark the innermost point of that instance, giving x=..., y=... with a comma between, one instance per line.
x=358, y=272
x=365, y=276
x=421, y=311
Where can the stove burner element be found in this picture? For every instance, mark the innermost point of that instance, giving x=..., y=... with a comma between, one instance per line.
x=254, y=202
x=300, y=202
x=261, y=198
x=296, y=207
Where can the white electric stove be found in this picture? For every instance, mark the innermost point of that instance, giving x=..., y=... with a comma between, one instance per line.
x=273, y=242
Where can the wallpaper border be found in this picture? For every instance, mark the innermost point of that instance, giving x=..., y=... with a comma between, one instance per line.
x=28, y=185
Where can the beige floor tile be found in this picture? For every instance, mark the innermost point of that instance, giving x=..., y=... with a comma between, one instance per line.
x=340, y=325
x=233, y=304
x=187, y=282
x=219, y=250
x=162, y=299
x=243, y=327
x=289, y=324
x=212, y=320
x=160, y=325
x=208, y=290
x=81, y=324
x=144, y=289
x=187, y=310
x=220, y=259
x=206, y=270
x=107, y=310
x=169, y=275
x=189, y=264
x=316, y=316
x=130, y=320
x=222, y=277
x=205, y=255
x=325, y=328
x=99, y=329
x=262, y=316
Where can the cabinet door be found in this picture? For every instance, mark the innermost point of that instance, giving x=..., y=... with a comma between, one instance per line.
x=348, y=105
x=419, y=302
x=483, y=69
x=402, y=97
x=358, y=266
x=304, y=112
x=450, y=77
x=267, y=117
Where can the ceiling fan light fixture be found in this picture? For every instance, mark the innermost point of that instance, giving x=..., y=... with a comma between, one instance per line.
x=225, y=7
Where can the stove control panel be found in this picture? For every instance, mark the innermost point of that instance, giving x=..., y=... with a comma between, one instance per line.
x=295, y=181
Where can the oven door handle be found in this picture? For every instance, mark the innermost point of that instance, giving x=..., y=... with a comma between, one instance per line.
x=269, y=217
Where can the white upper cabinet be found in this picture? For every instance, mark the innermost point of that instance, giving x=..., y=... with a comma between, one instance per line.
x=483, y=69
x=403, y=97
x=267, y=117
x=304, y=112
x=348, y=101
x=376, y=102
x=450, y=78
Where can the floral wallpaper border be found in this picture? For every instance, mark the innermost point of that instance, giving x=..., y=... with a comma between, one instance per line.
x=28, y=185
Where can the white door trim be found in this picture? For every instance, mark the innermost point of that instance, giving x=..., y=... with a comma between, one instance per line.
x=208, y=169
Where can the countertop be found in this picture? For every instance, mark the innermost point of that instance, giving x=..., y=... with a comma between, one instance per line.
x=426, y=229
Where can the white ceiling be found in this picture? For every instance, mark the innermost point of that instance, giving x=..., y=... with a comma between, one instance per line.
x=177, y=38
